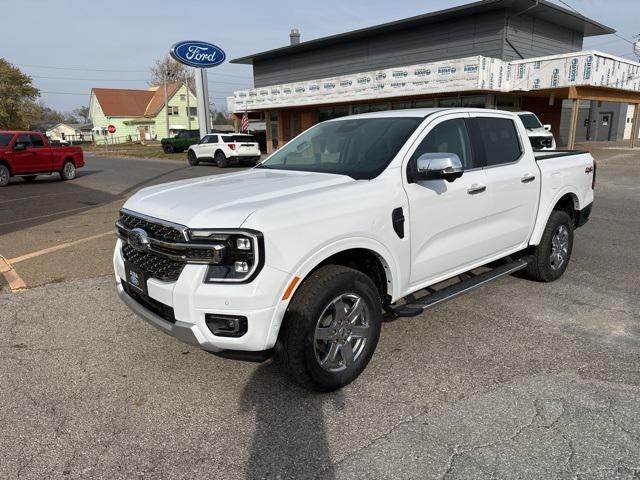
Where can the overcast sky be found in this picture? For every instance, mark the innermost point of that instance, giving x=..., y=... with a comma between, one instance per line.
x=112, y=43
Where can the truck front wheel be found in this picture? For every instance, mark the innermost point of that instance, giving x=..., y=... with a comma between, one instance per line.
x=168, y=148
x=551, y=256
x=331, y=328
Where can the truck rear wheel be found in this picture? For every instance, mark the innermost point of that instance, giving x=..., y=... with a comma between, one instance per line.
x=192, y=159
x=168, y=148
x=552, y=255
x=331, y=329
x=4, y=175
x=68, y=171
x=221, y=160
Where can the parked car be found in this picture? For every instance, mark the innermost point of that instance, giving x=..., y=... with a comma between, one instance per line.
x=29, y=154
x=183, y=140
x=300, y=255
x=225, y=149
x=539, y=135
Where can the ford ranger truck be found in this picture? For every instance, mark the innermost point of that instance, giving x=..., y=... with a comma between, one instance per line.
x=29, y=154
x=300, y=256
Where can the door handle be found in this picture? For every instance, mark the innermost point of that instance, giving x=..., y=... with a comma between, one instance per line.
x=476, y=188
x=528, y=178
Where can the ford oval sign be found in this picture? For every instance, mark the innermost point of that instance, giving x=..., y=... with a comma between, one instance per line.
x=197, y=54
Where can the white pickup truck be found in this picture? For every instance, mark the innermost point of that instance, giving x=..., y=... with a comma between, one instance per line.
x=301, y=255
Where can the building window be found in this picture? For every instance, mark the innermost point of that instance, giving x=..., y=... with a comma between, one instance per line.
x=401, y=105
x=505, y=101
x=172, y=111
x=333, y=112
x=474, y=102
x=183, y=97
x=428, y=103
x=449, y=102
x=193, y=111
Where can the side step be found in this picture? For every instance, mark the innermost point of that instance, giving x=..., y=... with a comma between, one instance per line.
x=468, y=282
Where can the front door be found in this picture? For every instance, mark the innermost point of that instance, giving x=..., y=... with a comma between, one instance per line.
x=24, y=161
x=603, y=132
x=447, y=219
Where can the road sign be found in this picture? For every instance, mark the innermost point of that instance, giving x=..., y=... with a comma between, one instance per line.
x=111, y=129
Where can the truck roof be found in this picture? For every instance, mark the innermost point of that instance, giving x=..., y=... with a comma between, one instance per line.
x=13, y=132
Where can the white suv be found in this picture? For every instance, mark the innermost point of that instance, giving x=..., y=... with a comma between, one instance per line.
x=225, y=149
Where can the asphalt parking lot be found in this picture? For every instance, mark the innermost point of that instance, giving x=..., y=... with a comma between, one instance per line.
x=515, y=380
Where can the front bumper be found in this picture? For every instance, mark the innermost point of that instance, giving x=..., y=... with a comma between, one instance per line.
x=191, y=298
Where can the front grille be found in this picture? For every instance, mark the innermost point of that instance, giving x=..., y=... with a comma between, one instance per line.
x=156, y=230
x=155, y=266
x=159, y=308
x=541, y=142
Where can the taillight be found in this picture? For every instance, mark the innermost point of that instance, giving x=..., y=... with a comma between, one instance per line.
x=593, y=180
x=232, y=146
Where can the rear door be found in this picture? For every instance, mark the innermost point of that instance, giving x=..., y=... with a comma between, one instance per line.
x=447, y=219
x=513, y=180
x=44, y=157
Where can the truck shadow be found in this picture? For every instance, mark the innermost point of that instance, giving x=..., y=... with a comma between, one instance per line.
x=290, y=437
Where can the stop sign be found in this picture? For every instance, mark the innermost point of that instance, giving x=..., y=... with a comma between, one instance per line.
x=111, y=129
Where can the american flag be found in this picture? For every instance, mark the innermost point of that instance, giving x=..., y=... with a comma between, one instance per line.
x=245, y=122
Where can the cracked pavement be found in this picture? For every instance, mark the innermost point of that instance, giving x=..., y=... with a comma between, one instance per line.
x=516, y=380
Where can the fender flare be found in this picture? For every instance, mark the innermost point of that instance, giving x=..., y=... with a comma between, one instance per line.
x=542, y=220
x=391, y=267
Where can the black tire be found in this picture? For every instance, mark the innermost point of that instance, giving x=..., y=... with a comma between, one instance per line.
x=168, y=148
x=297, y=349
x=29, y=178
x=192, y=159
x=221, y=160
x=5, y=175
x=544, y=268
x=68, y=171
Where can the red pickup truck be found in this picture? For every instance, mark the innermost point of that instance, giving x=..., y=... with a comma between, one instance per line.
x=29, y=154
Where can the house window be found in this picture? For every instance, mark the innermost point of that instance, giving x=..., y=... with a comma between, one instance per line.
x=183, y=97
x=172, y=111
x=193, y=111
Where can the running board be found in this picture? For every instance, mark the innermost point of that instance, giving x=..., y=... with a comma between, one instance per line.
x=468, y=282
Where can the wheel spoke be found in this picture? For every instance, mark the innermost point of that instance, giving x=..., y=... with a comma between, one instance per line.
x=332, y=355
x=346, y=352
x=356, y=310
x=359, y=331
x=324, y=333
x=339, y=310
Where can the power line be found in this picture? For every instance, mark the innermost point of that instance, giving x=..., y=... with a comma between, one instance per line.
x=88, y=94
x=123, y=80
x=615, y=33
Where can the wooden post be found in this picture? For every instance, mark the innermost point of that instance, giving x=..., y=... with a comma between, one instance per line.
x=573, y=127
x=635, y=125
x=267, y=127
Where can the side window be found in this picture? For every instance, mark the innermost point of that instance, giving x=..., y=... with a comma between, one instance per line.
x=205, y=139
x=450, y=136
x=36, y=141
x=499, y=139
x=23, y=139
x=213, y=138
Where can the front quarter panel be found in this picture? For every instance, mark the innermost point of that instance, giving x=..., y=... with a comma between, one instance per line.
x=303, y=230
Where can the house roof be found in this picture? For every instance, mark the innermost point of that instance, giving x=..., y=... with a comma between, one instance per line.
x=122, y=102
x=542, y=9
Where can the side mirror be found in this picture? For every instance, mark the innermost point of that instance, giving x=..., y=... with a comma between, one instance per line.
x=547, y=127
x=19, y=146
x=434, y=166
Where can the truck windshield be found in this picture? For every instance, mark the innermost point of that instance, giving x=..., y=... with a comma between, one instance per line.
x=5, y=138
x=530, y=120
x=360, y=148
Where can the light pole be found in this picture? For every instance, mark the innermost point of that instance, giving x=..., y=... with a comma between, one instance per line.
x=166, y=98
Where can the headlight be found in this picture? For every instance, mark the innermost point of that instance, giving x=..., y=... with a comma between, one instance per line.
x=243, y=255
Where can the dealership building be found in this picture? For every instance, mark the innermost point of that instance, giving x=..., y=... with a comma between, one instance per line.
x=506, y=54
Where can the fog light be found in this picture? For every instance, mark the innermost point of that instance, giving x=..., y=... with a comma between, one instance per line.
x=243, y=243
x=226, y=325
x=241, y=267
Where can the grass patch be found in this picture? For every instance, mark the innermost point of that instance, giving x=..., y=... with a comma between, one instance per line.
x=134, y=150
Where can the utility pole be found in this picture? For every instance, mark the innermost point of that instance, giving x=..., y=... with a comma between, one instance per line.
x=166, y=100
x=188, y=108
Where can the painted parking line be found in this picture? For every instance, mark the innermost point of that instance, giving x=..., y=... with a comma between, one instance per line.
x=11, y=276
x=55, y=248
x=22, y=220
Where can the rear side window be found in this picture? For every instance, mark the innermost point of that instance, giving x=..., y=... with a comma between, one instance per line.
x=499, y=140
x=239, y=139
x=36, y=141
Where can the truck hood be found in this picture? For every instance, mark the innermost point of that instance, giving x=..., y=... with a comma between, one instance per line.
x=225, y=201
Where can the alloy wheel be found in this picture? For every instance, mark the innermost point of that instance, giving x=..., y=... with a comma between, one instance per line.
x=559, y=247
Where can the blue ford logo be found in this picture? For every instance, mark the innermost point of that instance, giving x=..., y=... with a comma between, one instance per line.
x=197, y=54
x=138, y=239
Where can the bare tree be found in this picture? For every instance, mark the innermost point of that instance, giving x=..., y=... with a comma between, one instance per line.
x=175, y=72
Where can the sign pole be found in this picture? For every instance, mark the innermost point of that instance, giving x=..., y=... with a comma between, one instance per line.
x=202, y=91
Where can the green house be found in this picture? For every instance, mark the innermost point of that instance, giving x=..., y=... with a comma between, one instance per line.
x=141, y=114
